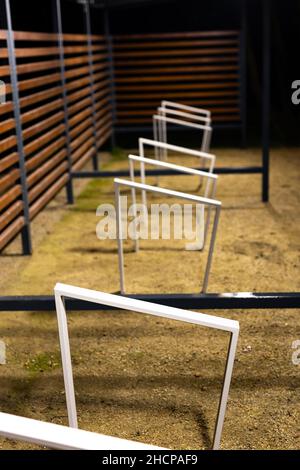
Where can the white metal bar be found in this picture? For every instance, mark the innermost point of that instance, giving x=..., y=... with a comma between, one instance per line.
x=176, y=148
x=167, y=192
x=56, y=436
x=175, y=112
x=193, y=109
x=65, y=291
x=211, y=177
x=181, y=122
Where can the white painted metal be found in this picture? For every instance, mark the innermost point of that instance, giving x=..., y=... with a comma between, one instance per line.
x=167, y=192
x=206, y=131
x=165, y=111
x=193, y=109
x=62, y=291
x=203, y=156
x=55, y=436
x=210, y=178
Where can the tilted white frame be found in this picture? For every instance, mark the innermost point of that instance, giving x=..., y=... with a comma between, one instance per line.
x=206, y=130
x=63, y=291
x=211, y=178
x=185, y=107
x=56, y=436
x=203, y=156
x=167, y=192
x=162, y=131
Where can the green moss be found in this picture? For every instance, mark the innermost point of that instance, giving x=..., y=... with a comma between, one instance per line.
x=43, y=362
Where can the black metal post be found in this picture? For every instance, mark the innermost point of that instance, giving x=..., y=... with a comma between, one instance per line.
x=109, y=41
x=266, y=99
x=86, y=8
x=25, y=232
x=58, y=26
x=243, y=71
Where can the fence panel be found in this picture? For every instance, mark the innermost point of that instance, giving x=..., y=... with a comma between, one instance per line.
x=11, y=204
x=195, y=68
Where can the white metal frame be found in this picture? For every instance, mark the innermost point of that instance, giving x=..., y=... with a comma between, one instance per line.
x=211, y=178
x=56, y=436
x=203, y=156
x=166, y=192
x=63, y=291
x=163, y=132
x=205, y=129
x=185, y=107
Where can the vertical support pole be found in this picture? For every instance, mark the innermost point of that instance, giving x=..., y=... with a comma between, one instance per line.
x=86, y=8
x=266, y=99
x=243, y=72
x=111, y=71
x=58, y=27
x=25, y=232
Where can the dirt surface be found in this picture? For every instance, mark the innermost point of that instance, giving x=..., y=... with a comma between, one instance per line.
x=149, y=379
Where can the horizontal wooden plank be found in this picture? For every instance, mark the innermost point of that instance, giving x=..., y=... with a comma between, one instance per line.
x=80, y=116
x=183, y=94
x=84, y=159
x=101, y=103
x=175, y=44
x=79, y=82
x=162, y=52
x=86, y=123
x=7, y=125
x=47, y=181
x=8, y=161
x=74, y=108
x=10, y=214
x=40, y=96
x=43, y=140
x=177, y=86
x=83, y=49
x=79, y=94
x=76, y=72
x=34, y=83
x=103, y=92
x=8, y=143
x=42, y=110
x=43, y=125
x=24, y=52
x=103, y=122
x=81, y=60
x=103, y=132
x=82, y=138
x=47, y=196
x=82, y=37
x=145, y=120
x=6, y=108
x=33, y=36
x=47, y=152
x=4, y=71
x=174, y=78
x=149, y=112
x=147, y=73
x=153, y=104
x=9, y=179
x=189, y=34
x=103, y=138
x=42, y=170
x=11, y=232
x=37, y=66
x=103, y=111
x=86, y=146
x=177, y=60
x=10, y=196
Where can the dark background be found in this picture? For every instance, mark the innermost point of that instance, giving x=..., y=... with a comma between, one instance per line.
x=187, y=15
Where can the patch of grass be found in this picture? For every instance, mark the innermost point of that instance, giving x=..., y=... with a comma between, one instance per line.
x=43, y=362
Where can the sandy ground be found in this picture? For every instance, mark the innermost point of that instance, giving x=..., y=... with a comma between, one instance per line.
x=155, y=380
